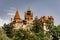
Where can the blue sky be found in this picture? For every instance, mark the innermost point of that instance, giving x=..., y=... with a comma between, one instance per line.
x=38, y=7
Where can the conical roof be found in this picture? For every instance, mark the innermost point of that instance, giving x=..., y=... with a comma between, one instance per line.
x=17, y=16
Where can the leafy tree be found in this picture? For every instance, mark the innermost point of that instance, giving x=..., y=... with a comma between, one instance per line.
x=49, y=25
x=56, y=32
x=35, y=33
x=37, y=27
x=3, y=35
x=8, y=29
x=21, y=35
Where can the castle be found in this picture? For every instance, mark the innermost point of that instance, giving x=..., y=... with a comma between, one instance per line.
x=28, y=20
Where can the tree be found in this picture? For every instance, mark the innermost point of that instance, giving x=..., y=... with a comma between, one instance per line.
x=3, y=35
x=49, y=25
x=8, y=29
x=22, y=35
x=56, y=32
x=37, y=26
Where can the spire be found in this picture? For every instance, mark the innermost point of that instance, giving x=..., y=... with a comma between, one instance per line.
x=17, y=15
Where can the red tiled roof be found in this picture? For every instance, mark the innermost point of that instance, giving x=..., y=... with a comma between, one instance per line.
x=17, y=16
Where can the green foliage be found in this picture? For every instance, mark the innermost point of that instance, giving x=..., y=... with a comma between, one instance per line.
x=3, y=35
x=37, y=27
x=49, y=24
x=8, y=30
x=34, y=33
x=25, y=35
x=56, y=31
x=22, y=35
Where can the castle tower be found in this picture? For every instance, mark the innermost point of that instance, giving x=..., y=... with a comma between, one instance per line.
x=17, y=21
x=51, y=18
x=44, y=19
x=17, y=17
x=28, y=15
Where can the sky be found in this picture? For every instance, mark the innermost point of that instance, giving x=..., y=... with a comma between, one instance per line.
x=38, y=7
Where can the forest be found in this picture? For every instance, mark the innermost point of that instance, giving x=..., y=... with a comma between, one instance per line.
x=31, y=33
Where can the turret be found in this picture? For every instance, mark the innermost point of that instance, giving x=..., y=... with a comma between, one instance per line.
x=44, y=19
x=17, y=17
x=51, y=18
x=28, y=15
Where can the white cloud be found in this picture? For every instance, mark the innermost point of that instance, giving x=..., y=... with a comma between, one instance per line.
x=2, y=22
x=11, y=14
x=11, y=11
x=13, y=8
